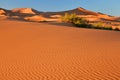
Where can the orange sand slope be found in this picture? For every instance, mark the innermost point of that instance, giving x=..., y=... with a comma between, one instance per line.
x=39, y=51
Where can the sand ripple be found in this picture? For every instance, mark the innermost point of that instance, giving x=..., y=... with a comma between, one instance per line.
x=35, y=51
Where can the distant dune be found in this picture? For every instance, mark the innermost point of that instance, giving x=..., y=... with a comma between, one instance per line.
x=25, y=10
x=81, y=12
x=47, y=51
x=2, y=12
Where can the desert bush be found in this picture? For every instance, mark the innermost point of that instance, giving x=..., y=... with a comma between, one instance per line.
x=74, y=19
x=98, y=25
x=43, y=21
x=80, y=22
x=116, y=29
x=69, y=18
x=101, y=25
x=108, y=28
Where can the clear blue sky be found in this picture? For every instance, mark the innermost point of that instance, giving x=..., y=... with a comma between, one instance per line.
x=111, y=7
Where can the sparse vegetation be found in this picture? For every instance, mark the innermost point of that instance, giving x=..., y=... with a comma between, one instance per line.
x=101, y=25
x=117, y=29
x=80, y=22
x=69, y=18
x=74, y=19
x=43, y=21
x=108, y=28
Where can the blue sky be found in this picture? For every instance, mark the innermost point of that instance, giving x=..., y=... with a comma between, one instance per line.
x=111, y=7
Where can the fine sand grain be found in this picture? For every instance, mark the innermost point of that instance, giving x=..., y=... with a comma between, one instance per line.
x=40, y=51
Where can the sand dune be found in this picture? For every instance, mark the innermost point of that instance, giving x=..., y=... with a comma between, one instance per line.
x=25, y=10
x=2, y=12
x=35, y=18
x=39, y=51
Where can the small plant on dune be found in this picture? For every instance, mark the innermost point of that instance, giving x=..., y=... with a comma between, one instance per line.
x=43, y=21
x=116, y=29
x=108, y=28
x=80, y=22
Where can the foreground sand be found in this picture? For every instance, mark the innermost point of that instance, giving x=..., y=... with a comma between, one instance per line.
x=38, y=51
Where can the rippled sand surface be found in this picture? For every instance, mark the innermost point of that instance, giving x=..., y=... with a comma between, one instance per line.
x=40, y=51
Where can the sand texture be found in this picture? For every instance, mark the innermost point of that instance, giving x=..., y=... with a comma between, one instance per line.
x=43, y=51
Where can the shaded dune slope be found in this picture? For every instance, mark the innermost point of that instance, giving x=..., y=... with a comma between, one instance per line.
x=38, y=51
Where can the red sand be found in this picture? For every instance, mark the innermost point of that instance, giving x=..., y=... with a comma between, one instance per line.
x=39, y=51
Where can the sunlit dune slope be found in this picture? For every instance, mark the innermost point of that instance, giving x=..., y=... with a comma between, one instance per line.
x=45, y=51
